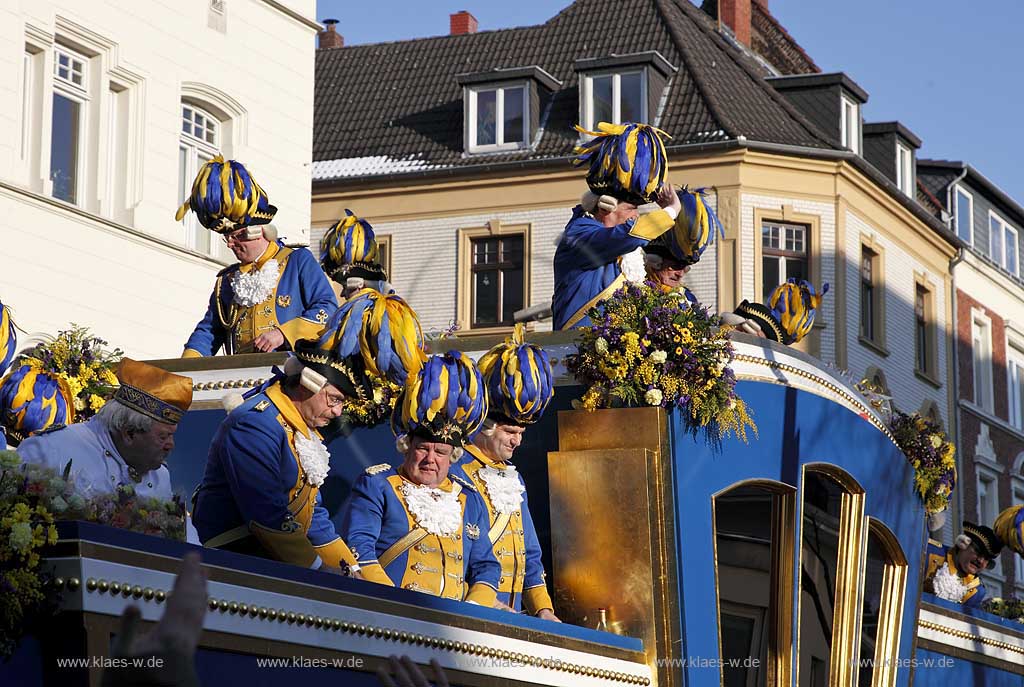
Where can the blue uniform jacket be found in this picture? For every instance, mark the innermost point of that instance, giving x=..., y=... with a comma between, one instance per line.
x=299, y=306
x=516, y=547
x=587, y=261
x=936, y=556
x=253, y=484
x=459, y=566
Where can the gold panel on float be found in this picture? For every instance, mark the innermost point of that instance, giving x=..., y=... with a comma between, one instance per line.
x=612, y=541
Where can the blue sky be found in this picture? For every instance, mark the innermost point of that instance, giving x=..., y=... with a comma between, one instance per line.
x=950, y=71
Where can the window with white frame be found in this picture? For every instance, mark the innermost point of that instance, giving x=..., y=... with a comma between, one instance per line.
x=198, y=143
x=988, y=494
x=981, y=356
x=1003, y=243
x=1015, y=384
x=499, y=118
x=964, y=215
x=905, y=169
x=784, y=254
x=67, y=134
x=615, y=98
x=850, y=123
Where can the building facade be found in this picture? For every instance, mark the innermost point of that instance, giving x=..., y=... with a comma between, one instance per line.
x=111, y=108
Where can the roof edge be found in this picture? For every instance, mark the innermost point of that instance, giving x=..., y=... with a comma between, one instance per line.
x=895, y=127
x=797, y=81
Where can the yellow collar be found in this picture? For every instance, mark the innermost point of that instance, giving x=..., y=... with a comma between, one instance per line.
x=288, y=410
x=270, y=252
x=478, y=453
x=446, y=485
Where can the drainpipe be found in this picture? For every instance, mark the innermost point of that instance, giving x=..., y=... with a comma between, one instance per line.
x=955, y=415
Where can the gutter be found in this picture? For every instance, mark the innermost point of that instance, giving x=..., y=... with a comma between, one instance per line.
x=954, y=417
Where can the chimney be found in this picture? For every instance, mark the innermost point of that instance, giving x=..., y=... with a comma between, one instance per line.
x=329, y=37
x=736, y=15
x=462, y=22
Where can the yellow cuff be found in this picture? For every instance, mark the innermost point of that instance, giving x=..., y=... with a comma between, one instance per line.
x=335, y=553
x=289, y=547
x=652, y=225
x=482, y=594
x=299, y=329
x=536, y=599
x=373, y=572
x=191, y=353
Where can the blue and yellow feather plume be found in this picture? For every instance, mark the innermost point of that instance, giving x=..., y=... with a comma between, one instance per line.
x=350, y=241
x=32, y=399
x=519, y=379
x=627, y=161
x=445, y=402
x=225, y=197
x=8, y=338
x=696, y=227
x=1009, y=526
x=794, y=305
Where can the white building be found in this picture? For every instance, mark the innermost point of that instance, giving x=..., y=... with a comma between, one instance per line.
x=109, y=108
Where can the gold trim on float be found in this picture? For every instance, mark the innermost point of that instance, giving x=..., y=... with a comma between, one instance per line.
x=890, y=609
x=963, y=634
x=780, y=610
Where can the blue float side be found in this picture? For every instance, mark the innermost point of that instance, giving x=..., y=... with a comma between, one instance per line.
x=795, y=429
x=933, y=669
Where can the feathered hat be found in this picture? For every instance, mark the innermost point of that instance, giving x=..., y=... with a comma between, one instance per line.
x=695, y=229
x=349, y=249
x=1009, y=527
x=381, y=328
x=627, y=161
x=32, y=399
x=8, y=338
x=519, y=380
x=789, y=314
x=445, y=402
x=225, y=198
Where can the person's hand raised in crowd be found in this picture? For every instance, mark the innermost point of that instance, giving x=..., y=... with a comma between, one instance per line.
x=179, y=628
x=667, y=197
x=402, y=672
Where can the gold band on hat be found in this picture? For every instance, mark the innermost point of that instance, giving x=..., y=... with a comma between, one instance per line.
x=148, y=405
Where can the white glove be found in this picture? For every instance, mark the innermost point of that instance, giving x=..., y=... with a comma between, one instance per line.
x=741, y=323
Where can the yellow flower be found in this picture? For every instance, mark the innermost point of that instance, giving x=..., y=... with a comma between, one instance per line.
x=95, y=402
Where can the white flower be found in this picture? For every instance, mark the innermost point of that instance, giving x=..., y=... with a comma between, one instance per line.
x=435, y=510
x=947, y=585
x=653, y=397
x=58, y=504
x=9, y=460
x=252, y=288
x=314, y=457
x=936, y=441
x=600, y=345
x=732, y=404
x=658, y=357
x=77, y=502
x=504, y=488
x=21, y=536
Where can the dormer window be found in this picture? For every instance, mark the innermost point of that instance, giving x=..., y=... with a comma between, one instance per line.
x=849, y=125
x=621, y=88
x=614, y=98
x=497, y=118
x=502, y=107
x=905, y=169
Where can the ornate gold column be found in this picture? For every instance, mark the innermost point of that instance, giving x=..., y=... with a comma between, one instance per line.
x=612, y=527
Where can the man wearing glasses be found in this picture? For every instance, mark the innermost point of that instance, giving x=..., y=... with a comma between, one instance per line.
x=274, y=295
x=260, y=491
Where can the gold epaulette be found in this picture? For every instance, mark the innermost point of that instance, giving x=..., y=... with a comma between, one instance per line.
x=261, y=406
x=377, y=469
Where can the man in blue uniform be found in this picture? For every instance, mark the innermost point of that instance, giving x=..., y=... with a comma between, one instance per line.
x=954, y=572
x=607, y=224
x=418, y=527
x=350, y=256
x=126, y=442
x=520, y=384
x=275, y=295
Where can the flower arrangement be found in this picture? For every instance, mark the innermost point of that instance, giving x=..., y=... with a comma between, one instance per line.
x=83, y=361
x=649, y=347
x=1011, y=608
x=931, y=454
x=374, y=410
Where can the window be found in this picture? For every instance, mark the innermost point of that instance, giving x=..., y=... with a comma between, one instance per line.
x=981, y=356
x=871, y=294
x=964, y=215
x=614, y=98
x=497, y=280
x=850, y=124
x=925, y=346
x=198, y=143
x=70, y=99
x=499, y=118
x=885, y=579
x=1003, y=243
x=384, y=252
x=988, y=494
x=905, y=169
x=493, y=276
x=1015, y=384
x=784, y=251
